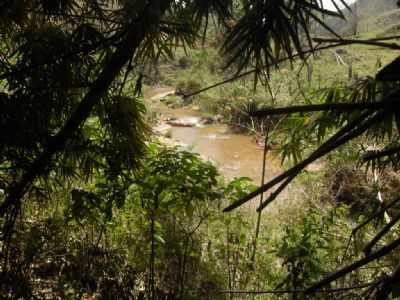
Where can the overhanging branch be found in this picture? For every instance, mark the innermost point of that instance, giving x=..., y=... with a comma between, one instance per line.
x=337, y=107
x=370, y=42
x=354, y=266
x=372, y=155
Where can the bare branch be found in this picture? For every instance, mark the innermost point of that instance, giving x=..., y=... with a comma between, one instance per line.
x=385, y=288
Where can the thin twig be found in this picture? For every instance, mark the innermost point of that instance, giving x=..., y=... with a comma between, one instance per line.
x=329, y=146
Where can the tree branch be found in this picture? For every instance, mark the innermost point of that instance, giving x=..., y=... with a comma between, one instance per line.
x=354, y=266
x=381, y=211
x=366, y=222
x=371, y=42
x=340, y=107
x=379, y=154
x=385, y=288
x=377, y=238
x=342, y=136
x=339, y=42
x=252, y=71
x=277, y=192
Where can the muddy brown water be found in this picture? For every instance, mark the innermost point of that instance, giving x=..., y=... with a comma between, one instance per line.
x=235, y=155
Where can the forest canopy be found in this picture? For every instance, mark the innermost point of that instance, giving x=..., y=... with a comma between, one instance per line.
x=75, y=140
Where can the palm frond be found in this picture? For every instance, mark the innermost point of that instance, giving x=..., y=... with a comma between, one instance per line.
x=270, y=29
x=388, y=157
x=126, y=132
x=201, y=10
x=309, y=128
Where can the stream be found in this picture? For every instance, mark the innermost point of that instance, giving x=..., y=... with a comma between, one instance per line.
x=235, y=155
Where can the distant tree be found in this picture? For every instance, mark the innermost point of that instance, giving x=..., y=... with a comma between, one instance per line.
x=355, y=19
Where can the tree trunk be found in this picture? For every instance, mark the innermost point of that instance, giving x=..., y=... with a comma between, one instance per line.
x=257, y=231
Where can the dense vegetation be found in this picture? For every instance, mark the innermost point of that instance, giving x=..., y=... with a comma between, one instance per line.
x=93, y=206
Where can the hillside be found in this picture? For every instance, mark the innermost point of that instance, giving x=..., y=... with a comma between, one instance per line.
x=373, y=8
x=369, y=17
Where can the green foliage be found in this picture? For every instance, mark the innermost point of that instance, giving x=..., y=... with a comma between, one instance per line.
x=190, y=178
x=313, y=128
x=120, y=212
x=305, y=248
x=176, y=191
